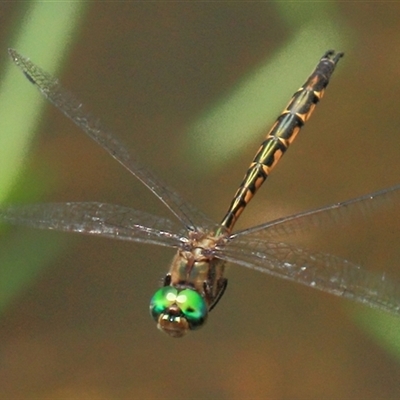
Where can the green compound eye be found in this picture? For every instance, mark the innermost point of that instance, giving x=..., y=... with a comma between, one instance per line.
x=162, y=300
x=190, y=303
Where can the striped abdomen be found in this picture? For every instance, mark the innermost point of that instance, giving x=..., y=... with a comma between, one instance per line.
x=281, y=135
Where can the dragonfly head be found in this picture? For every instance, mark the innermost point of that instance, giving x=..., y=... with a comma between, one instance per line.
x=178, y=311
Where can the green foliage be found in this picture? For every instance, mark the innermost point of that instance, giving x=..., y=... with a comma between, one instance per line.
x=24, y=254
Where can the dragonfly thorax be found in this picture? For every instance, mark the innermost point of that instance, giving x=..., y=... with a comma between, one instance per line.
x=192, y=287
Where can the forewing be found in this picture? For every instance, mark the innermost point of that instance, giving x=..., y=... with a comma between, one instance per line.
x=100, y=219
x=318, y=270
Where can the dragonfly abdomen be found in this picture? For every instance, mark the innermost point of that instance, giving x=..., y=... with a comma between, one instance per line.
x=281, y=135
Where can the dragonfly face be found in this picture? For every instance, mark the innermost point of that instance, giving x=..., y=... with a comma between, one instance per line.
x=178, y=311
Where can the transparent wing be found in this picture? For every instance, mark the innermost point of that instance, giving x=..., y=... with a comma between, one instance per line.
x=347, y=214
x=365, y=228
x=106, y=220
x=50, y=88
x=318, y=270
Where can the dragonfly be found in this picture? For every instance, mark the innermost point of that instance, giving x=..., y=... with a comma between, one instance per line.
x=195, y=281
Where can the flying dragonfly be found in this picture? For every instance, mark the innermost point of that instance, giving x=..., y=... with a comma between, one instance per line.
x=195, y=281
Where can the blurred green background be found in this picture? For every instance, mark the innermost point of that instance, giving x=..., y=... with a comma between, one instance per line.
x=192, y=87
